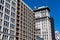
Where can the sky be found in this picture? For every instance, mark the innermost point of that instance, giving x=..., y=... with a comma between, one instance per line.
x=54, y=6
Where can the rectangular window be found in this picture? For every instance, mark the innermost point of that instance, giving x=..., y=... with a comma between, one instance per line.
x=0, y=27
x=11, y=38
x=1, y=14
x=7, y=11
x=11, y=32
x=1, y=7
x=6, y=23
x=0, y=21
x=5, y=37
x=12, y=26
x=20, y=38
x=14, y=4
x=5, y=30
x=13, y=9
x=0, y=36
x=8, y=1
x=12, y=20
x=2, y=1
x=15, y=0
x=13, y=14
x=6, y=17
x=7, y=5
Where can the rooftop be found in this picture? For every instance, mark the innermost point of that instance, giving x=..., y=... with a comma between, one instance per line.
x=42, y=8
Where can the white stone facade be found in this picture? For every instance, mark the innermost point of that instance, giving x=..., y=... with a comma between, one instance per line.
x=44, y=23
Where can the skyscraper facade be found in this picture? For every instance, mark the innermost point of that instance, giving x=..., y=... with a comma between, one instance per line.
x=43, y=22
x=8, y=12
x=17, y=21
x=25, y=29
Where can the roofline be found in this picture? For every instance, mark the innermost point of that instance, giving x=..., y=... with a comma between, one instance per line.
x=26, y=5
x=42, y=18
x=42, y=9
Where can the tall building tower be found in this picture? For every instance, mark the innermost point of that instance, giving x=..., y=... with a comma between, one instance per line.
x=25, y=29
x=43, y=22
x=8, y=19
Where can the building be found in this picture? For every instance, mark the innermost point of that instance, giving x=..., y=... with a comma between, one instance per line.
x=25, y=22
x=8, y=12
x=17, y=21
x=52, y=28
x=44, y=22
x=57, y=35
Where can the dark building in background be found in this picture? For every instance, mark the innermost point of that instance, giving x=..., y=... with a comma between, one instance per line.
x=52, y=28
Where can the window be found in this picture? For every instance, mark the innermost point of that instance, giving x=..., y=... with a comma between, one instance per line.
x=15, y=0
x=0, y=36
x=5, y=37
x=12, y=26
x=13, y=9
x=41, y=11
x=18, y=4
x=6, y=23
x=13, y=3
x=11, y=32
x=0, y=27
x=13, y=14
x=11, y=38
x=7, y=11
x=7, y=5
x=0, y=21
x=20, y=38
x=8, y=1
x=12, y=20
x=1, y=14
x=2, y=1
x=1, y=7
x=6, y=17
x=5, y=30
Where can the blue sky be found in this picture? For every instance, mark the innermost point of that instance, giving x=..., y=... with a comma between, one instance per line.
x=54, y=6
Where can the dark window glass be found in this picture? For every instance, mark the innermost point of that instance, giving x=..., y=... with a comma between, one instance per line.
x=7, y=11
x=6, y=17
x=6, y=23
x=2, y=1
x=5, y=30
x=1, y=7
x=12, y=26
